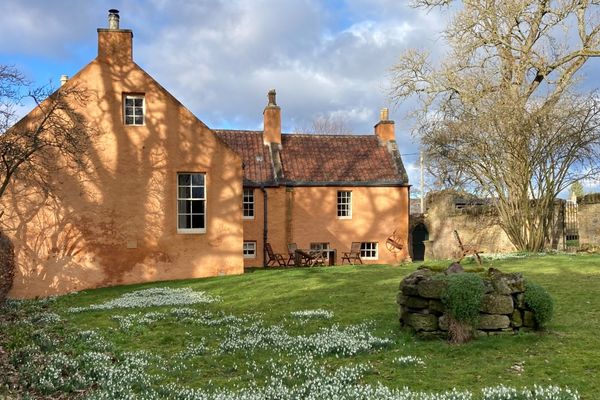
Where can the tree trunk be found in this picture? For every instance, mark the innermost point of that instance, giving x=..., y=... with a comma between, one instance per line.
x=7, y=265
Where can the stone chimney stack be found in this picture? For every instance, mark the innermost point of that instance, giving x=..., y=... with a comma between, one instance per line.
x=272, y=120
x=115, y=44
x=385, y=128
x=64, y=79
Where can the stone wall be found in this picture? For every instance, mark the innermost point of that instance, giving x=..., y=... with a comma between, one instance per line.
x=476, y=225
x=503, y=309
x=588, y=218
x=476, y=222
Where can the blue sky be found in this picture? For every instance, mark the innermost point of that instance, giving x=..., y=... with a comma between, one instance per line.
x=325, y=58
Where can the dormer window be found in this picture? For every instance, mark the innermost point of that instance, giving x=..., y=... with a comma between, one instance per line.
x=135, y=109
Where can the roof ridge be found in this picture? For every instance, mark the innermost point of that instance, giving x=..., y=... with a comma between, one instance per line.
x=236, y=130
x=348, y=135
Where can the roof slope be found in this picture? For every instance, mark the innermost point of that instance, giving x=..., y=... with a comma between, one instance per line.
x=317, y=160
x=258, y=167
x=337, y=159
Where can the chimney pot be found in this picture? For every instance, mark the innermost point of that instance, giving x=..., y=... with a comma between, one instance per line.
x=113, y=19
x=272, y=95
x=384, y=114
x=64, y=79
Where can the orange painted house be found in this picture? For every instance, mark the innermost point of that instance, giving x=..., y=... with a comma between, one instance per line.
x=167, y=197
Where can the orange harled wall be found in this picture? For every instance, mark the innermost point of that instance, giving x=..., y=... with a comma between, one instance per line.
x=116, y=223
x=304, y=215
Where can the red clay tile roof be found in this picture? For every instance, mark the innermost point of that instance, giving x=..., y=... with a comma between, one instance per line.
x=308, y=159
x=256, y=157
x=337, y=158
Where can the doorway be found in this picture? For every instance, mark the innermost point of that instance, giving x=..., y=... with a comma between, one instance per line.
x=419, y=236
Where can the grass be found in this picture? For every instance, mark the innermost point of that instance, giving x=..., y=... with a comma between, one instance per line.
x=566, y=354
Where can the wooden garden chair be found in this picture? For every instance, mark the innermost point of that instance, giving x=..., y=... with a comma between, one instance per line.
x=353, y=254
x=274, y=257
x=467, y=249
x=292, y=247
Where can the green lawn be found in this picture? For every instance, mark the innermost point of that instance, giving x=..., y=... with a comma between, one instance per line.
x=249, y=337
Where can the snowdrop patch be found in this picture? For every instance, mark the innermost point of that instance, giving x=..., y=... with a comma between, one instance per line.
x=312, y=314
x=154, y=297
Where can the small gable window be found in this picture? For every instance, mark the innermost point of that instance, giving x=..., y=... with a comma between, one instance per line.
x=344, y=204
x=135, y=109
x=248, y=204
x=191, y=203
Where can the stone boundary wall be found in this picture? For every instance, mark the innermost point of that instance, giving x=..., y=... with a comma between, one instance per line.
x=588, y=218
x=477, y=225
x=503, y=309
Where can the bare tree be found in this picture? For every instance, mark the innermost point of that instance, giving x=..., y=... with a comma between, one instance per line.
x=52, y=136
x=32, y=147
x=326, y=125
x=501, y=109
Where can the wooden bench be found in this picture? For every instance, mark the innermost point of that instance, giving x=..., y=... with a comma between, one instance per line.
x=467, y=249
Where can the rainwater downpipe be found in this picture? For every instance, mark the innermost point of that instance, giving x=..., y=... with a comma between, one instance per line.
x=265, y=229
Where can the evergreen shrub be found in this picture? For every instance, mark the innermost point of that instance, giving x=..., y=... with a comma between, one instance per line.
x=540, y=302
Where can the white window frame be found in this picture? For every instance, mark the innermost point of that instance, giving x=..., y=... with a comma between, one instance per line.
x=134, y=107
x=367, y=249
x=248, y=198
x=319, y=246
x=249, y=245
x=191, y=198
x=341, y=205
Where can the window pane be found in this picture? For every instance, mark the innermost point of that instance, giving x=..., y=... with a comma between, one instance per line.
x=139, y=120
x=184, y=222
x=197, y=221
x=197, y=179
x=139, y=111
x=197, y=207
x=129, y=120
x=198, y=192
x=139, y=102
x=184, y=192
x=128, y=101
x=184, y=207
x=184, y=179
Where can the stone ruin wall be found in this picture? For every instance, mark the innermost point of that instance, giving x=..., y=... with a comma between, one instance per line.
x=480, y=229
x=476, y=225
x=503, y=310
x=588, y=220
